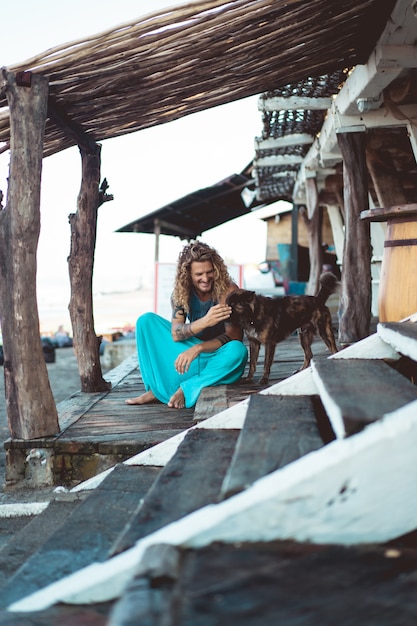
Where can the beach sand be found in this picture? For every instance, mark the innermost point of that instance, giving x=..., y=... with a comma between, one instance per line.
x=111, y=311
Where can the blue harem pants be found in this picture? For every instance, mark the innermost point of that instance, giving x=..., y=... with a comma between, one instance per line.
x=157, y=352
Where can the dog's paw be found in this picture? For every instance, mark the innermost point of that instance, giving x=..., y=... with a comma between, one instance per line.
x=263, y=382
x=246, y=380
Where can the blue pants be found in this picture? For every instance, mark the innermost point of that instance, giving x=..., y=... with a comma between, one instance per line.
x=157, y=352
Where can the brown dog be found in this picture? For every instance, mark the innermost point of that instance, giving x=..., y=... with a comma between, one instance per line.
x=268, y=321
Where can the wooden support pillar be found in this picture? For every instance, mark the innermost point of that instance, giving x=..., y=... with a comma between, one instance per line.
x=388, y=187
x=80, y=263
x=313, y=221
x=31, y=409
x=294, y=243
x=157, y=231
x=355, y=299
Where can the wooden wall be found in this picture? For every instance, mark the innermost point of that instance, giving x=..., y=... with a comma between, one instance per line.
x=279, y=231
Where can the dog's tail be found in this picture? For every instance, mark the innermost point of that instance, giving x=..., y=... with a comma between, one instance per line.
x=328, y=284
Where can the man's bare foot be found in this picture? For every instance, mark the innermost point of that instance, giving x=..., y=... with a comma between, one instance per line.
x=177, y=401
x=145, y=398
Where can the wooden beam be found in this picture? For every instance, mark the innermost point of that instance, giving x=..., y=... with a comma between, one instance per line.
x=180, y=230
x=299, y=103
x=387, y=183
x=395, y=51
x=296, y=139
x=71, y=129
x=277, y=160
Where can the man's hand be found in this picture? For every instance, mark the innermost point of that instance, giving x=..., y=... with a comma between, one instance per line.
x=217, y=313
x=183, y=360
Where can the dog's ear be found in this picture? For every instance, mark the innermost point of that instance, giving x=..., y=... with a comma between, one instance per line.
x=237, y=295
x=245, y=295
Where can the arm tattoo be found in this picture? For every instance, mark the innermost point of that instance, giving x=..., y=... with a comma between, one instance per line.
x=224, y=338
x=184, y=331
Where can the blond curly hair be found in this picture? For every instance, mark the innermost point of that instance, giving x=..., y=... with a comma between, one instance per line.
x=199, y=251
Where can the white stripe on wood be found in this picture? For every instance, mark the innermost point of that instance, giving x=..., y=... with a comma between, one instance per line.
x=406, y=345
x=161, y=453
x=22, y=509
x=371, y=347
x=344, y=493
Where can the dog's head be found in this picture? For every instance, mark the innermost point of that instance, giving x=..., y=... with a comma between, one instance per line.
x=243, y=303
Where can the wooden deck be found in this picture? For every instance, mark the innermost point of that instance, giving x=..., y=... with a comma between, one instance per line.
x=254, y=494
x=100, y=430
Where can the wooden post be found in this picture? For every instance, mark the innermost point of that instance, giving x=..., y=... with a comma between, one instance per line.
x=157, y=231
x=80, y=263
x=355, y=299
x=386, y=182
x=31, y=409
x=313, y=223
x=294, y=243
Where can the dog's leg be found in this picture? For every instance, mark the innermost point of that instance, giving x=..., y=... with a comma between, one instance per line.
x=254, y=347
x=269, y=357
x=325, y=330
x=306, y=335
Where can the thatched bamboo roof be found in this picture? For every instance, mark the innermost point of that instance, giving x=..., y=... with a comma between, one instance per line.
x=175, y=62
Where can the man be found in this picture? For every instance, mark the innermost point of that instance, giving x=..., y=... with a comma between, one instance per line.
x=199, y=348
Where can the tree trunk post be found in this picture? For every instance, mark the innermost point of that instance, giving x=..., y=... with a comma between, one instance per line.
x=382, y=170
x=355, y=299
x=31, y=409
x=313, y=223
x=80, y=264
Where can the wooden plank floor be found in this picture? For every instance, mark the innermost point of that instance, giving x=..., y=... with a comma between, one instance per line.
x=99, y=430
x=110, y=418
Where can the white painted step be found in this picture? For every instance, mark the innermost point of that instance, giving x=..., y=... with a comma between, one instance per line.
x=357, y=392
x=402, y=336
x=353, y=491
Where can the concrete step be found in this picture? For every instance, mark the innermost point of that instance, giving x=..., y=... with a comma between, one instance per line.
x=402, y=336
x=83, y=532
x=190, y=480
x=277, y=431
x=357, y=392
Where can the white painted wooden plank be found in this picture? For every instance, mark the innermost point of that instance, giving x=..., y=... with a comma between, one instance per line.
x=271, y=143
x=344, y=493
x=357, y=392
x=401, y=27
x=371, y=347
x=22, y=509
x=277, y=160
x=404, y=344
x=336, y=223
x=299, y=384
x=412, y=133
x=333, y=410
x=161, y=453
x=299, y=103
x=93, y=482
x=379, y=118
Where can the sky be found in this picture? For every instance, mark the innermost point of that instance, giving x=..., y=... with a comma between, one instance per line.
x=145, y=170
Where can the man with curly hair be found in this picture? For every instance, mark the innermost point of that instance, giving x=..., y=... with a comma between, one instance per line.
x=198, y=348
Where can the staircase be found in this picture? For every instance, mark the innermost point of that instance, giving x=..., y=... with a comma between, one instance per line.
x=296, y=504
